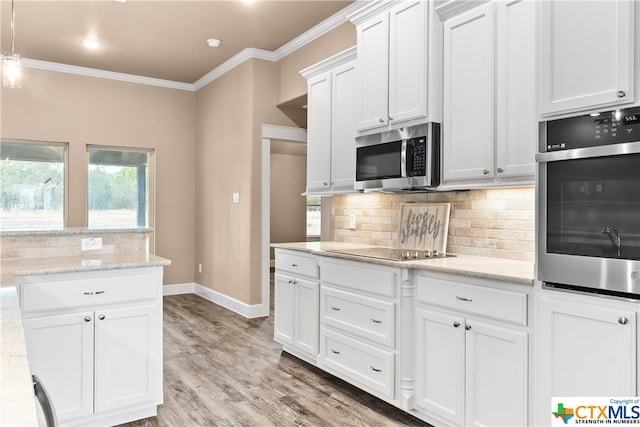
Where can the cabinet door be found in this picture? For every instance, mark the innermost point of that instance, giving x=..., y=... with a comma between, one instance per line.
x=373, y=72
x=586, y=63
x=319, y=133
x=60, y=352
x=343, y=127
x=440, y=340
x=307, y=302
x=284, y=303
x=516, y=94
x=496, y=375
x=468, y=128
x=128, y=357
x=408, y=61
x=585, y=349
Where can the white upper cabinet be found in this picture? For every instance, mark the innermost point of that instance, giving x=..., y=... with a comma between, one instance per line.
x=586, y=55
x=399, y=53
x=490, y=112
x=331, y=124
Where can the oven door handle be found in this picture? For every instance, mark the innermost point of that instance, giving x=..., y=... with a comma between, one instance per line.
x=588, y=152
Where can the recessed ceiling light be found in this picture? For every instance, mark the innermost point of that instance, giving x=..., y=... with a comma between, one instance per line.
x=213, y=42
x=91, y=43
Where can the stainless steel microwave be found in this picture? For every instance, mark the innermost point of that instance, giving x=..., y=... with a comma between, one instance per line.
x=399, y=159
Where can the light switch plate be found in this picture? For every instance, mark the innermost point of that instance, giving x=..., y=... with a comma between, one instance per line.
x=236, y=197
x=352, y=222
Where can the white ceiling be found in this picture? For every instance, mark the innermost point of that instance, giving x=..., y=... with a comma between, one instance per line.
x=159, y=39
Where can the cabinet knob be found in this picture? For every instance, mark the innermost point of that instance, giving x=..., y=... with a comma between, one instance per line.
x=485, y=172
x=621, y=94
x=623, y=320
x=467, y=327
x=381, y=120
x=456, y=324
x=325, y=183
x=500, y=170
x=87, y=319
x=101, y=317
x=294, y=282
x=390, y=118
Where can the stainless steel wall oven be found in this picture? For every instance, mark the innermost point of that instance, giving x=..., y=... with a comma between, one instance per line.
x=588, y=203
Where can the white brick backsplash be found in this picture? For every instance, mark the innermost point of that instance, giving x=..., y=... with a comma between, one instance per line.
x=498, y=223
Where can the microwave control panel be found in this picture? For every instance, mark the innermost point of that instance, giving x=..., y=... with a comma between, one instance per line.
x=610, y=127
x=417, y=148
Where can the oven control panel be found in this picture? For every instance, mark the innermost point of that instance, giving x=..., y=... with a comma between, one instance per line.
x=609, y=127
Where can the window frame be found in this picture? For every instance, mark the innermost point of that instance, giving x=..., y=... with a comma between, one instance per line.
x=65, y=161
x=151, y=185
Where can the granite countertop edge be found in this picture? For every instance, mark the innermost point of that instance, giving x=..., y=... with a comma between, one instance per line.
x=520, y=272
x=155, y=261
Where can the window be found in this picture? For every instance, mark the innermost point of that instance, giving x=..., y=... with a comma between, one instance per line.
x=33, y=185
x=120, y=187
x=313, y=216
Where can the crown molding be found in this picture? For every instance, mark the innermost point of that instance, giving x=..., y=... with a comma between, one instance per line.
x=246, y=54
x=322, y=28
x=330, y=63
x=102, y=74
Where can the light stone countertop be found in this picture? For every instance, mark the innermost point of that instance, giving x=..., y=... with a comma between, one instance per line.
x=17, y=402
x=504, y=270
x=17, y=399
x=70, y=231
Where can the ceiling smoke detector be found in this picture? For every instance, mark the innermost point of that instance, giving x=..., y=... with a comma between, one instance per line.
x=213, y=42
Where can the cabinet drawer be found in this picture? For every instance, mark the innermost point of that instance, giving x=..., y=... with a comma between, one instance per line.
x=359, y=362
x=365, y=317
x=87, y=291
x=363, y=277
x=298, y=264
x=474, y=299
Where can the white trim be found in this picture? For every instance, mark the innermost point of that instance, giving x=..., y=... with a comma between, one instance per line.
x=179, y=289
x=330, y=63
x=102, y=74
x=324, y=27
x=284, y=132
x=246, y=310
x=225, y=67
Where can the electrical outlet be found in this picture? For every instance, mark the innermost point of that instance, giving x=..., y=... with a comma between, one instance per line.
x=91, y=244
x=352, y=222
x=236, y=197
x=199, y=268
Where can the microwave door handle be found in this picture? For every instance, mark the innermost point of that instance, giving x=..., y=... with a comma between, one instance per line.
x=403, y=159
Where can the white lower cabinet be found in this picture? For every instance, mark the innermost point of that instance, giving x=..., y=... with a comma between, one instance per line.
x=296, y=304
x=100, y=357
x=586, y=346
x=470, y=369
x=358, y=321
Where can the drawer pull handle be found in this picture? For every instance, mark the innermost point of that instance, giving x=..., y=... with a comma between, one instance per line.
x=294, y=265
x=623, y=320
x=334, y=352
x=375, y=369
x=621, y=94
x=101, y=317
x=87, y=319
x=467, y=327
x=94, y=293
x=335, y=308
x=456, y=324
x=464, y=299
x=376, y=321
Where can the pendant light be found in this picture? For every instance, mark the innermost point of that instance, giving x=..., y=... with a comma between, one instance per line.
x=11, y=64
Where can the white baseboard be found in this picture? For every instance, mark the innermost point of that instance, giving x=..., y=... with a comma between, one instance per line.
x=243, y=309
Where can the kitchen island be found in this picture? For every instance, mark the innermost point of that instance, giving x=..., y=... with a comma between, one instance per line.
x=49, y=273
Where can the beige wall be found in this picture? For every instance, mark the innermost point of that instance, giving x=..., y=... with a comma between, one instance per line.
x=81, y=110
x=290, y=83
x=230, y=111
x=288, y=182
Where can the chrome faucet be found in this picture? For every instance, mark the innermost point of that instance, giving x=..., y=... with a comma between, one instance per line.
x=615, y=238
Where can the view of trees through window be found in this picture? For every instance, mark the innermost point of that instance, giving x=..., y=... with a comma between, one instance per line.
x=119, y=188
x=313, y=216
x=32, y=185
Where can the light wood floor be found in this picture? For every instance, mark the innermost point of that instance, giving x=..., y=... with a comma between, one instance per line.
x=221, y=369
